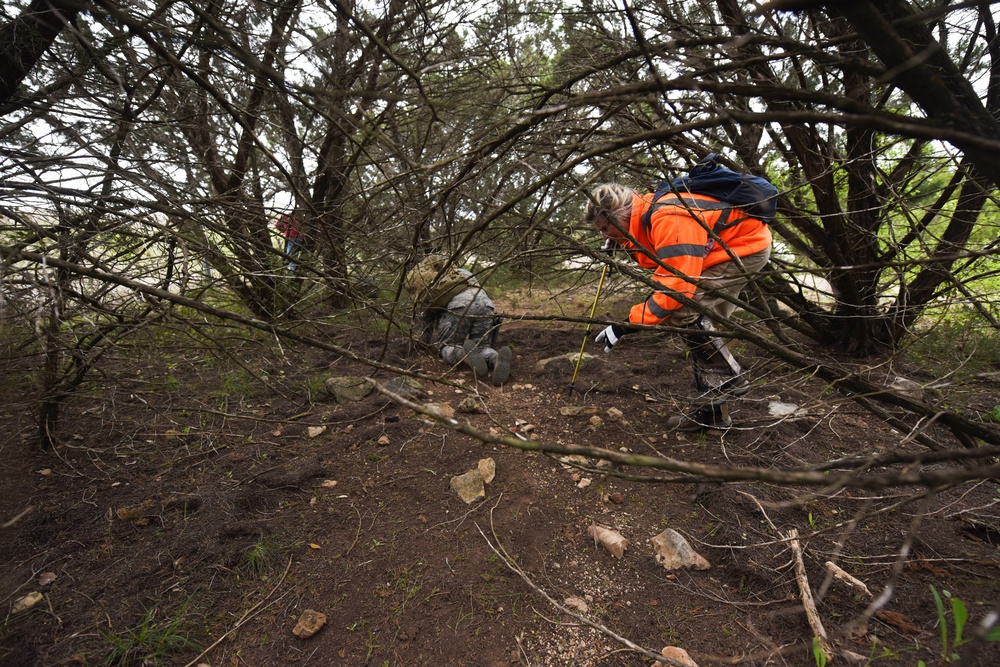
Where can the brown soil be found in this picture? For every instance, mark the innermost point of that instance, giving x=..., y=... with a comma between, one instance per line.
x=171, y=473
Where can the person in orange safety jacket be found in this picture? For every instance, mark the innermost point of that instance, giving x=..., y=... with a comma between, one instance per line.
x=672, y=237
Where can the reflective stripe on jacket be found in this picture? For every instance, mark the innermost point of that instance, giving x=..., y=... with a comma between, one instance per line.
x=678, y=236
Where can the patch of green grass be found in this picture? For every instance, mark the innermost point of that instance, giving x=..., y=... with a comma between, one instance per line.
x=409, y=583
x=956, y=344
x=257, y=559
x=314, y=387
x=151, y=642
x=240, y=383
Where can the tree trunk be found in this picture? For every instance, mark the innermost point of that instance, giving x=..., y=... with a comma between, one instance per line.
x=24, y=40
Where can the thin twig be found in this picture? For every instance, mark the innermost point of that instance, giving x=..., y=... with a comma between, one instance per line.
x=841, y=575
x=503, y=556
x=23, y=513
x=250, y=613
x=356, y=535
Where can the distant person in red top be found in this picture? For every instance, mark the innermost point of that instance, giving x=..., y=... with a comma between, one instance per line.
x=698, y=267
x=289, y=228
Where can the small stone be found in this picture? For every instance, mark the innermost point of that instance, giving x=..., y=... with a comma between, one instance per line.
x=135, y=512
x=383, y=441
x=617, y=498
x=612, y=540
x=571, y=358
x=309, y=623
x=469, y=486
x=577, y=604
x=407, y=388
x=25, y=603
x=488, y=469
x=470, y=405
x=779, y=409
x=854, y=658
x=348, y=388
x=329, y=483
x=46, y=578
x=678, y=654
x=584, y=483
x=596, y=421
x=574, y=410
x=441, y=410
x=907, y=387
x=316, y=431
x=673, y=552
x=614, y=414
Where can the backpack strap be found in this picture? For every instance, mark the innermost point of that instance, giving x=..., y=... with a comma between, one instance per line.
x=441, y=300
x=688, y=202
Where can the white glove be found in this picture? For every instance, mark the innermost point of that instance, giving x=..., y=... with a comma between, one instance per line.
x=610, y=336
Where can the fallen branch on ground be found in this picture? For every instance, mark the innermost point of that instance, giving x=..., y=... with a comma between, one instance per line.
x=508, y=561
x=807, y=598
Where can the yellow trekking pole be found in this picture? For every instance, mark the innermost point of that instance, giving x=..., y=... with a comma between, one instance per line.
x=593, y=309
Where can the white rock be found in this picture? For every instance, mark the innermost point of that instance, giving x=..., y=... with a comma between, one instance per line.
x=778, y=409
x=907, y=387
x=612, y=540
x=673, y=552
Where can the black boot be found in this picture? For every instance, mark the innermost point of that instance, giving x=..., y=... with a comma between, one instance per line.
x=714, y=416
x=716, y=371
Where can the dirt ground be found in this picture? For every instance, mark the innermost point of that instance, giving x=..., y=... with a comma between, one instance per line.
x=190, y=517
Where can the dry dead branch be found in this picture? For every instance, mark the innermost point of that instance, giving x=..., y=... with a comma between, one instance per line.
x=807, y=597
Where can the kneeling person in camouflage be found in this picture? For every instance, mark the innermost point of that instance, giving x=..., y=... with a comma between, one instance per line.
x=455, y=317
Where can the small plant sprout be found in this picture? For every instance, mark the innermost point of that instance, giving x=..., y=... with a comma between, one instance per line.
x=818, y=655
x=952, y=636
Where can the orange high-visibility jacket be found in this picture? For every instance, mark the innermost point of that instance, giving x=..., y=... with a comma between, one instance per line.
x=678, y=235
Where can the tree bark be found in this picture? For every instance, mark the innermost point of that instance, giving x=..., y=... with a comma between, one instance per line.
x=24, y=40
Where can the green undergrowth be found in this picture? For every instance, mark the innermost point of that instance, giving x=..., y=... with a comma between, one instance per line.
x=155, y=639
x=959, y=348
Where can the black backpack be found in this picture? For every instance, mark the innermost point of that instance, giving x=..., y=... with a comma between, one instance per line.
x=755, y=195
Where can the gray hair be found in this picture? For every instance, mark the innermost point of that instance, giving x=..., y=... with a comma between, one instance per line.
x=610, y=201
